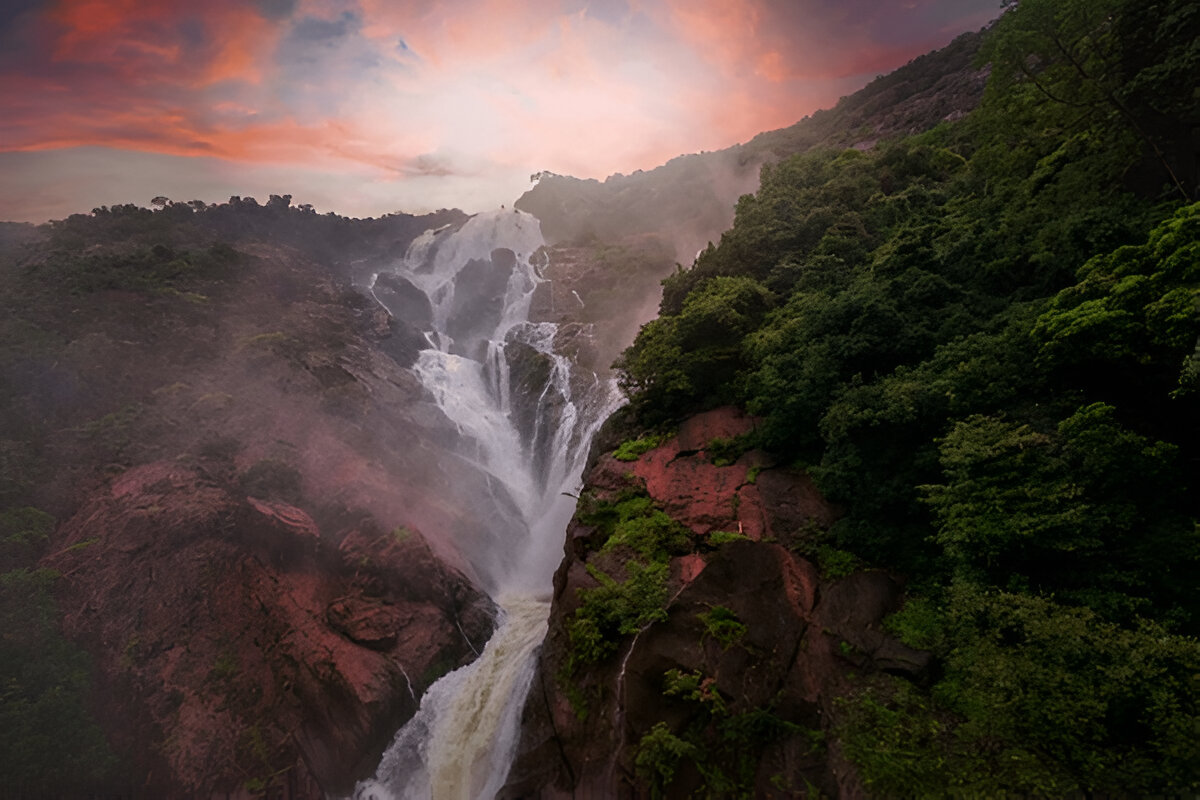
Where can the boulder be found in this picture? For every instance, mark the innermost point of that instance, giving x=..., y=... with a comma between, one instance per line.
x=403, y=300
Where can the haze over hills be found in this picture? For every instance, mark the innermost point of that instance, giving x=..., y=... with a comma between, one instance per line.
x=363, y=107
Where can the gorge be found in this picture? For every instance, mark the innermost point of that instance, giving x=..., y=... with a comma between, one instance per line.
x=492, y=370
x=857, y=460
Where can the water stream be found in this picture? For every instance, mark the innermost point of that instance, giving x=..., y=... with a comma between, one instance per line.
x=525, y=415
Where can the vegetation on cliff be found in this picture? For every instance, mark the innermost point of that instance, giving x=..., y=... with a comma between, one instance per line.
x=178, y=335
x=984, y=343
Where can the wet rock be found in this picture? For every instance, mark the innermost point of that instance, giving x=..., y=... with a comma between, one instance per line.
x=529, y=379
x=280, y=528
x=403, y=300
x=478, y=302
x=371, y=623
x=577, y=341
x=403, y=342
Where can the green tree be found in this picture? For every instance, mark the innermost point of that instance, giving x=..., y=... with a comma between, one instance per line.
x=50, y=744
x=1072, y=52
x=1091, y=511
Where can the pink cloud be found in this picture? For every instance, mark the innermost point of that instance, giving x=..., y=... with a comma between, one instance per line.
x=478, y=89
x=781, y=40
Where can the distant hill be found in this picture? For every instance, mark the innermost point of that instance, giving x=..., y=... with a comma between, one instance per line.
x=690, y=199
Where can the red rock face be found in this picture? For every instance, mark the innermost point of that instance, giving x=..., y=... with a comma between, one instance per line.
x=682, y=479
x=802, y=639
x=238, y=646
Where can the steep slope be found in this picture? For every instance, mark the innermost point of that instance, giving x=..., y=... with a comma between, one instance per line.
x=718, y=670
x=244, y=472
x=981, y=344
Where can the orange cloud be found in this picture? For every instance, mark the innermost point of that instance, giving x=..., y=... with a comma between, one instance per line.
x=247, y=39
x=164, y=42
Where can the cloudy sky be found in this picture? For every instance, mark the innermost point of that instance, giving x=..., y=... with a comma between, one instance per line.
x=369, y=106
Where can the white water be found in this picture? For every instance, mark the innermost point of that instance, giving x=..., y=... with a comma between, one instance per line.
x=461, y=742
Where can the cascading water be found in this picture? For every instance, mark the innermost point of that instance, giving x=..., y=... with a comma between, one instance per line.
x=524, y=416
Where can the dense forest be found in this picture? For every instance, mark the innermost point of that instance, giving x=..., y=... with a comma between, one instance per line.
x=983, y=343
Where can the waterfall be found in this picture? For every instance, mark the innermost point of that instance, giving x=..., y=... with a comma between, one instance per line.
x=524, y=415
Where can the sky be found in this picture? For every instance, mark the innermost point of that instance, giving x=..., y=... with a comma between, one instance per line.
x=366, y=107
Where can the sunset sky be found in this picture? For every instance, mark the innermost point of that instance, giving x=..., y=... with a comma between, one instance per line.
x=370, y=106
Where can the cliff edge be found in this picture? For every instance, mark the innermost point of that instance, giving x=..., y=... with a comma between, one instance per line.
x=692, y=644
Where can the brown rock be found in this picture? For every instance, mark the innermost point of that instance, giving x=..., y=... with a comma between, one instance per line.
x=371, y=623
x=289, y=521
x=678, y=475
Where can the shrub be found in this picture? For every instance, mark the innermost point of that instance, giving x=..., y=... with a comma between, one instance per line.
x=723, y=625
x=616, y=609
x=633, y=449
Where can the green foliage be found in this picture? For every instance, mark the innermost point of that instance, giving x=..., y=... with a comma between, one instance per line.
x=723, y=625
x=225, y=668
x=1111, y=63
x=683, y=362
x=633, y=523
x=23, y=535
x=723, y=451
x=20, y=466
x=658, y=755
x=1135, y=311
x=437, y=669
x=837, y=563
x=51, y=744
x=1090, y=511
x=718, y=538
x=696, y=687
x=616, y=609
x=156, y=269
x=633, y=449
x=1036, y=699
x=723, y=744
x=113, y=433
x=984, y=343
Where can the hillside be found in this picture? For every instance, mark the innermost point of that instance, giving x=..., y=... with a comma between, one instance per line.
x=689, y=200
x=212, y=572
x=903, y=501
x=964, y=363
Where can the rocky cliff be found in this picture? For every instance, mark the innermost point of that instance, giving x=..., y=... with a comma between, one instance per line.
x=693, y=644
x=255, y=539
x=239, y=645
